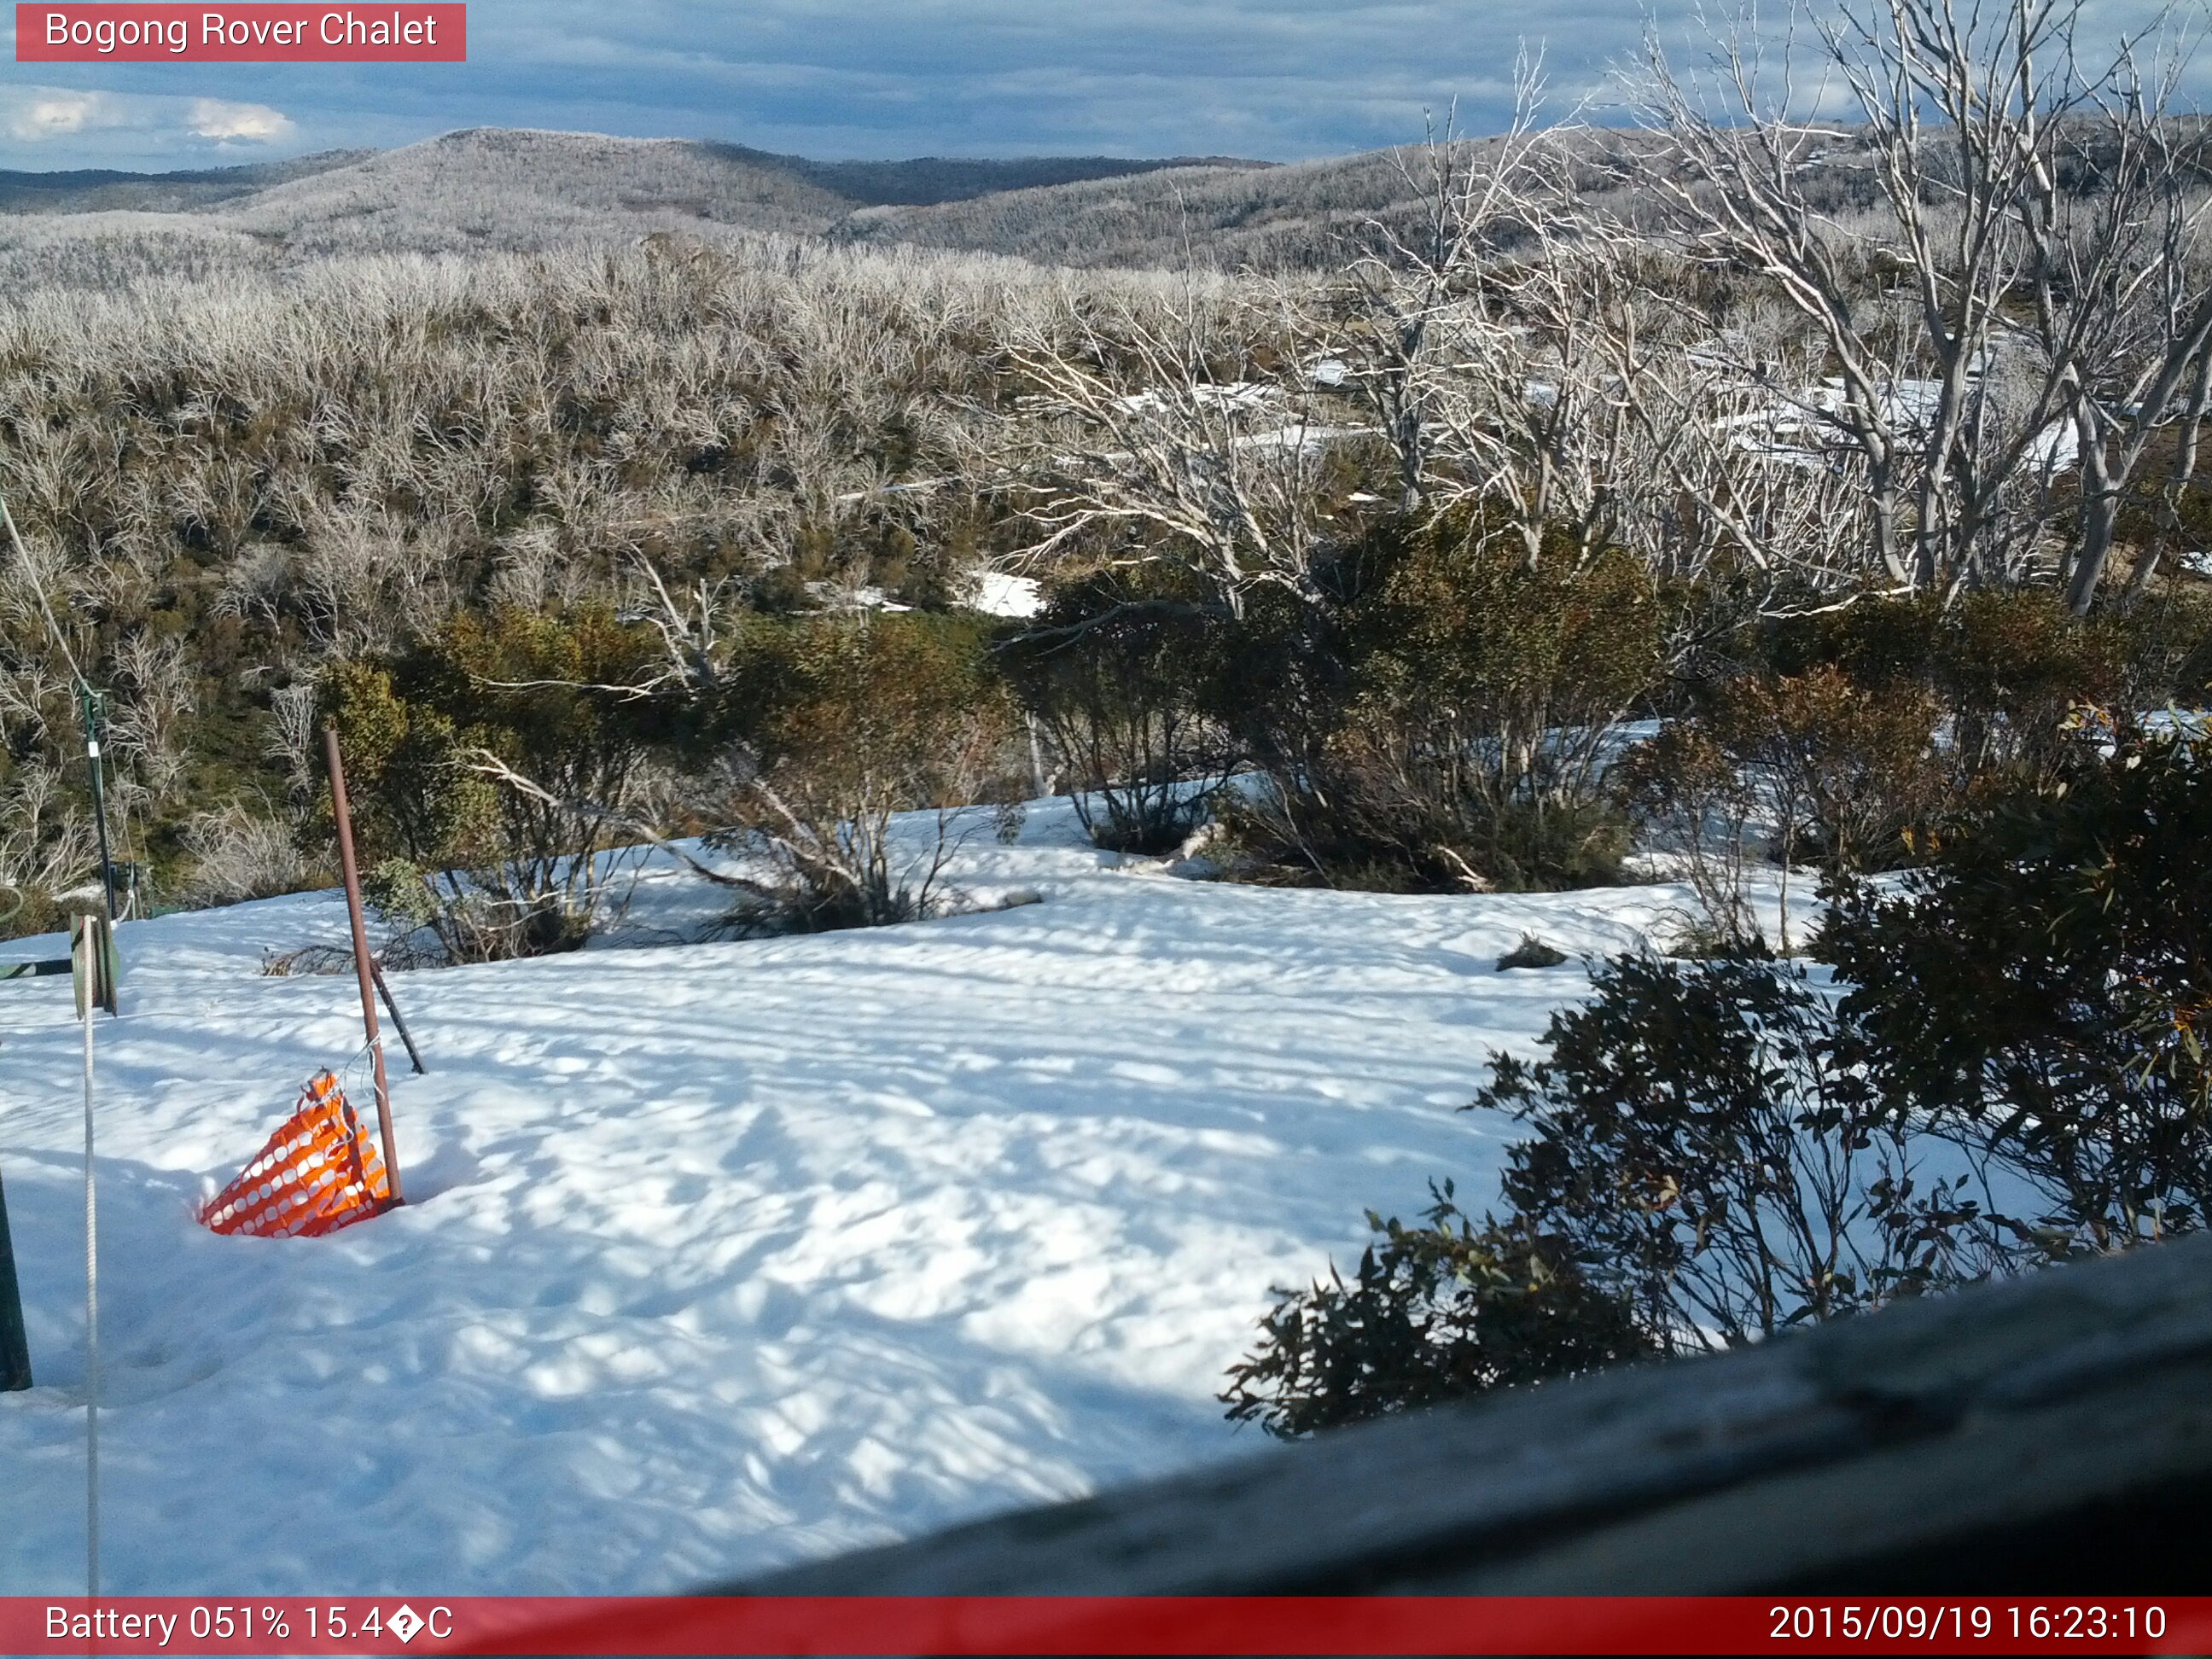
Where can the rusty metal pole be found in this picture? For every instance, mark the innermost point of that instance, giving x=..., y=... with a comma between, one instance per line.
x=361, y=962
x=398, y=1019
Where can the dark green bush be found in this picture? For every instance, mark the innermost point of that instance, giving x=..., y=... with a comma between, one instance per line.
x=2012, y=666
x=2040, y=993
x=1447, y=724
x=1855, y=730
x=491, y=766
x=1721, y=1150
x=1446, y=1308
x=2004, y=668
x=1706, y=1143
x=26, y=911
x=1124, y=674
x=836, y=724
x=2169, y=651
x=1708, y=1165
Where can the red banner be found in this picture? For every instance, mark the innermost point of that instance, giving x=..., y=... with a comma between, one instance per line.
x=1104, y=1625
x=287, y=34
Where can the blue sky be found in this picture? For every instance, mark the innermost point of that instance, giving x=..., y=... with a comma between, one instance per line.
x=1275, y=79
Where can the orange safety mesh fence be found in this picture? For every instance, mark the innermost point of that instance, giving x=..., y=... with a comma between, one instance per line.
x=320, y=1171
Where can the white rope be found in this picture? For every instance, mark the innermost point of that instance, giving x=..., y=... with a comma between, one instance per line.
x=61, y=643
x=39, y=588
x=75, y=674
x=91, y=967
x=89, y=934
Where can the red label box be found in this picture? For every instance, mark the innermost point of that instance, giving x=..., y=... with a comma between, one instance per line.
x=282, y=34
x=955, y=1626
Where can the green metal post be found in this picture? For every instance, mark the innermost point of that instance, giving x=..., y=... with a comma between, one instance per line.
x=14, y=1346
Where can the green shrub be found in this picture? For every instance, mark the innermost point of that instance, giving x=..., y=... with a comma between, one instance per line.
x=1125, y=676
x=1448, y=725
x=2003, y=668
x=836, y=724
x=1721, y=1150
x=2040, y=992
x=26, y=911
x=1706, y=1143
x=1708, y=1165
x=1878, y=640
x=496, y=760
x=1446, y=1308
x=2169, y=652
x=1865, y=727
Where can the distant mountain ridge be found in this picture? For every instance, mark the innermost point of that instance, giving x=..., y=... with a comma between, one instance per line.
x=1302, y=213
x=92, y=190
x=525, y=189
x=919, y=181
x=930, y=180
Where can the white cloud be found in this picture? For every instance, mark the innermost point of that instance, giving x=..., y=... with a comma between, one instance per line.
x=43, y=115
x=70, y=126
x=1278, y=79
x=220, y=119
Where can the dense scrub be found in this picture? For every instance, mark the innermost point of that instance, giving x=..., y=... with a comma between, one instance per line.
x=226, y=489
x=1540, y=445
x=1449, y=720
x=2013, y=1072
x=2038, y=991
x=1130, y=678
x=497, y=775
x=828, y=728
x=1439, y=717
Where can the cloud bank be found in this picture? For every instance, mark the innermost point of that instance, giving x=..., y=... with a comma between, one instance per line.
x=62, y=127
x=1274, y=79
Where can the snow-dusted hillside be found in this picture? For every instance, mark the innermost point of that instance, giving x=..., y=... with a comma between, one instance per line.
x=725, y=1255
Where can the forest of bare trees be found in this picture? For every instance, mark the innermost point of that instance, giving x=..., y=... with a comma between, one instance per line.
x=1896, y=308
x=225, y=487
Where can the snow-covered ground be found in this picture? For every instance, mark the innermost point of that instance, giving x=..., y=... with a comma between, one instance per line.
x=720, y=1256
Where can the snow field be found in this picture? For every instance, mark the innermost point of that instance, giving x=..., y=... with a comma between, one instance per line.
x=718, y=1257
